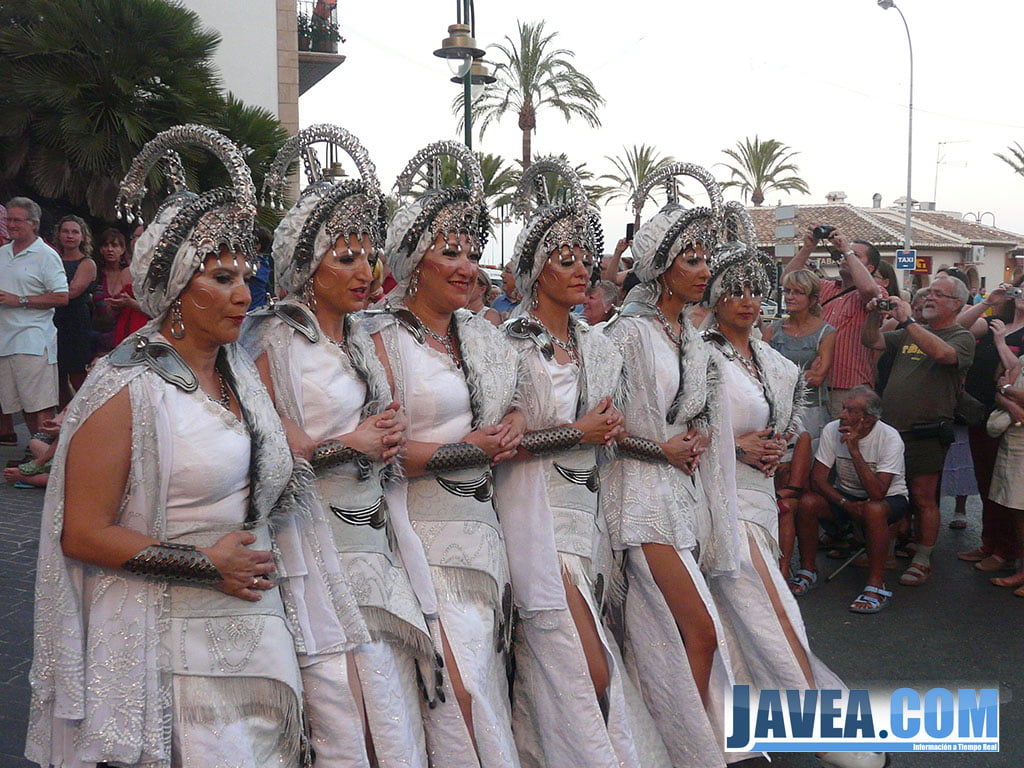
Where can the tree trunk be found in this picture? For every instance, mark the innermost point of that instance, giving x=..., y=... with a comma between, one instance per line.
x=757, y=197
x=527, y=123
x=527, y=138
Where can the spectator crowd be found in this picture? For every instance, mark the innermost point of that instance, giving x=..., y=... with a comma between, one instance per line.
x=908, y=398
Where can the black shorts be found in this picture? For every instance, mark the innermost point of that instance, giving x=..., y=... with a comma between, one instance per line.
x=899, y=506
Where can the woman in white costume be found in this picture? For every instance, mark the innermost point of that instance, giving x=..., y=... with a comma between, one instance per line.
x=765, y=392
x=455, y=376
x=667, y=498
x=333, y=396
x=161, y=636
x=573, y=705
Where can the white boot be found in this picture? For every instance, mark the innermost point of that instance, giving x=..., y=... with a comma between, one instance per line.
x=853, y=759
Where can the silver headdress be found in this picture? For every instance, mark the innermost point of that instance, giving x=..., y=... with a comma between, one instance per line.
x=551, y=226
x=188, y=226
x=325, y=210
x=736, y=265
x=450, y=212
x=663, y=236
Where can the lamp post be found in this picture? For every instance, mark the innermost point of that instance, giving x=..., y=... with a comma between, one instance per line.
x=885, y=5
x=460, y=48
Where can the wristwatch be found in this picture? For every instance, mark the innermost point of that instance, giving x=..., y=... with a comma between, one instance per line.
x=23, y=301
x=905, y=323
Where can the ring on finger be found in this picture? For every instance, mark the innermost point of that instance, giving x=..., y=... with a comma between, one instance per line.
x=255, y=580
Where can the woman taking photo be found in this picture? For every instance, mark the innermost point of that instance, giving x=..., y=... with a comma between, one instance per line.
x=333, y=396
x=74, y=330
x=160, y=635
x=667, y=506
x=573, y=704
x=765, y=391
x=455, y=376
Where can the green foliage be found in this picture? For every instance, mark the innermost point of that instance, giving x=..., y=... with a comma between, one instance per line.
x=87, y=83
x=761, y=166
x=632, y=168
x=1015, y=158
x=532, y=75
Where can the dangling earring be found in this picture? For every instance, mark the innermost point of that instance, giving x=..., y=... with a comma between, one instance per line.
x=309, y=296
x=414, y=285
x=177, y=325
x=534, y=298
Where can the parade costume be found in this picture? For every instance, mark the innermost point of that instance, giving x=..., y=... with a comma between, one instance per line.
x=554, y=529
x=328, y=388
x=148, y=665
x=672, y=384
x=764, y=392
x=449, y=511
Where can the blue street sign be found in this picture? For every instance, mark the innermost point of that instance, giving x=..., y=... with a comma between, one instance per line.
x=906, y=259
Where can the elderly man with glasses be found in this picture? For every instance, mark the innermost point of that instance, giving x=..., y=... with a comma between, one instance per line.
x=32, y=283
x=929, y=364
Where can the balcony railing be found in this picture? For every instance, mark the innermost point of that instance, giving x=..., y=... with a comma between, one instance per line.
x=317, y=25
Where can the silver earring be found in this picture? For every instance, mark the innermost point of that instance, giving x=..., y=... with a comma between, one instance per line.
x=535, y=298
x=309, y=296
x=414, y=284
x=177, y=325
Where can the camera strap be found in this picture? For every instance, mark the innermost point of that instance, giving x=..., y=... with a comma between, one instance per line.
x=839, y=295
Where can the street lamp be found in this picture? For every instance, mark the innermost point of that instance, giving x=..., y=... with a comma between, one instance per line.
x=885, y=5
x=460, y=49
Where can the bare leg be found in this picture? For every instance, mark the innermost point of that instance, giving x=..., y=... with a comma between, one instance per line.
x=461, y=694
x=590, y=639
x=787, y=627
x=33, y=420
x=691, y=615
x=357, y=696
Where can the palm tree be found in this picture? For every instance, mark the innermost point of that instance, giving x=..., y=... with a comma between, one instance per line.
x=1015, y=159
x=631, y=170
x=87, y=83
x=762, y=166
x=531, y=76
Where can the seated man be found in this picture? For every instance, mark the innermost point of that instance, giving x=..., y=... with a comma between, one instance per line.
x=870, y=487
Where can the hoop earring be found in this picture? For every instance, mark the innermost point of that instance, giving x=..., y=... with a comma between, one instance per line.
x=414, y=285
x=177, y=325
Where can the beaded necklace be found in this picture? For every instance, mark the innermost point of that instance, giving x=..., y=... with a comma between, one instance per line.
x=675, y=338
x=570, y=348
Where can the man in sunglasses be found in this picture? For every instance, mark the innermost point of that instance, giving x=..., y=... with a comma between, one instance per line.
x=929, y=364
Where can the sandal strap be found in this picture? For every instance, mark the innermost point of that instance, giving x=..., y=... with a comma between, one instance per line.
x=877, y=590
x=803, y=576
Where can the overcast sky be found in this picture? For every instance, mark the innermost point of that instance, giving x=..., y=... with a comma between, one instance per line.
x=827, y=77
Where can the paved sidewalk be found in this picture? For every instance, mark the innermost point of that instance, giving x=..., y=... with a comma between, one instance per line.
x=955, y=628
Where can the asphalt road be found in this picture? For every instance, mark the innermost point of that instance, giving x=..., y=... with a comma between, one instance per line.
x=955, y=629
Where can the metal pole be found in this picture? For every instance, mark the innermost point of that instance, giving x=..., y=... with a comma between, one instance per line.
x=467, y=92
x=910, y=131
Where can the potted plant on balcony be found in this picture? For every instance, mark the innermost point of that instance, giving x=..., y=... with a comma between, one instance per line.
x=303, y=27
x=324, y=34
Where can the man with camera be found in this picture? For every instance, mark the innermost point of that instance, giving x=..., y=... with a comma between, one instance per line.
x=928, y=367
x=843, y=306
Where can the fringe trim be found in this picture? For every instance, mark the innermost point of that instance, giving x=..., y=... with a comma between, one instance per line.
x=293, y=499
x=577, y=570
x=387, y=627
x=763, y=539
x=460, y=584
x=208, y=700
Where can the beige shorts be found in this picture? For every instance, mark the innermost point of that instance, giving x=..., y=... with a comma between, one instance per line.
x=27, y=383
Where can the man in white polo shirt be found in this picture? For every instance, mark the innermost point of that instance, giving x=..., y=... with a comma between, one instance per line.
x=32, y=283
x=870, y=487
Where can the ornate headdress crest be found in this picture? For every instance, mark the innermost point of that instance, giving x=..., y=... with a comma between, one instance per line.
x=663, y=236
x=738, y=262
x=325, y=210
x=187, y=225
x=550, y=225
x=443, y=211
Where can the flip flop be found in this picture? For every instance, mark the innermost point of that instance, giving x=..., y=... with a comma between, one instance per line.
x=876, y=599
x=24, y=486
x=958, y=523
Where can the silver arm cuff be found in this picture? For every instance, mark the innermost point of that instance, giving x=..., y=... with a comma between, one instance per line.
x=457, y=456
x=333, y=452
x=551, y=440
x=174, y=562
x=641, y=448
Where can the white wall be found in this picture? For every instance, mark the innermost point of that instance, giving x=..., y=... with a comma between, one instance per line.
x=247, y=55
